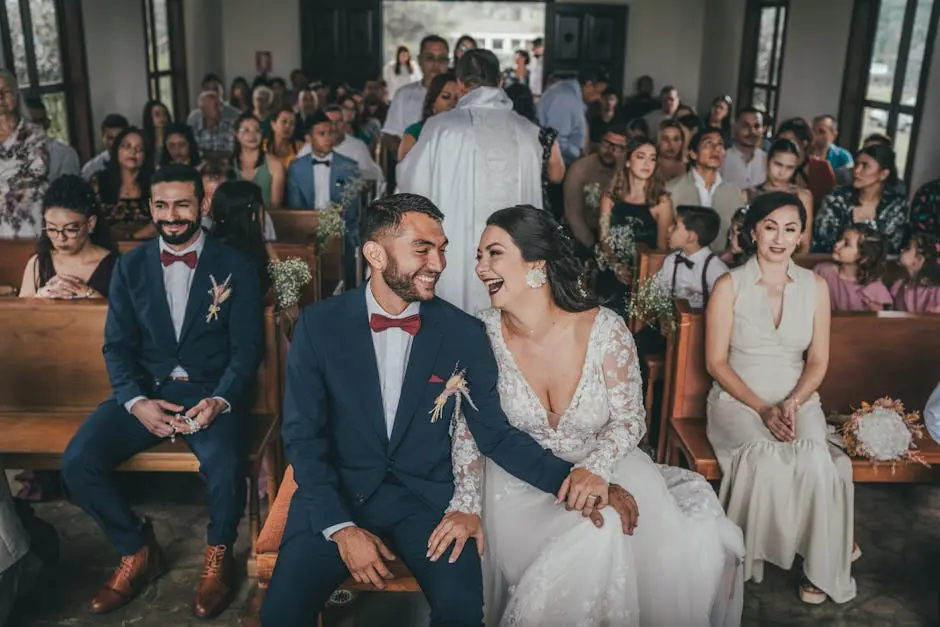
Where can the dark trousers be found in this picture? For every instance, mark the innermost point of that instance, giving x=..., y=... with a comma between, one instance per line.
x=110, y=436
x=309, y=567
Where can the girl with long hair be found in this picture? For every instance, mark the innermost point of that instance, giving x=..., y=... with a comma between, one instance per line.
x=156, y=119
x=179, y=146
x=441, y=96
x=783, y=163
x=280, y=142
x=123, y=187
x=400, y=71
x=251, y=163
x=239, y=217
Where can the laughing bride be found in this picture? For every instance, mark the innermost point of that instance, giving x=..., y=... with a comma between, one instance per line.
x=547, y=567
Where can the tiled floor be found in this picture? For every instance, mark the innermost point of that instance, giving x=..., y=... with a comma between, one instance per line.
x=898, y=576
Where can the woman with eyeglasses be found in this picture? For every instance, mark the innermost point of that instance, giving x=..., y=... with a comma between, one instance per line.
x=74, y=255
x=123, y=188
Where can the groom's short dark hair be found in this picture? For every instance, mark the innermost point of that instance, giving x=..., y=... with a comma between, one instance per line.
x=385, y=214
x=180, y=173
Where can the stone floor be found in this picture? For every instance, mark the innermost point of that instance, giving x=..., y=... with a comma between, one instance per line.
x=898, y=528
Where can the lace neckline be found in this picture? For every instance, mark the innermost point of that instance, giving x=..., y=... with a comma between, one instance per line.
x=497, y=324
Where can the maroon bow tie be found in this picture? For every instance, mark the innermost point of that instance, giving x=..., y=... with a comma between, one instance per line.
x=167, y=258
x=410, y=325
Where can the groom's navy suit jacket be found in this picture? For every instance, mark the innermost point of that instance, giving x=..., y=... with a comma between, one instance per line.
x=334, y=422
x=140, y=347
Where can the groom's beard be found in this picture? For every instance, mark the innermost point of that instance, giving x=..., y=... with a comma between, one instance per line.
x=403, y=285
x=183, y=237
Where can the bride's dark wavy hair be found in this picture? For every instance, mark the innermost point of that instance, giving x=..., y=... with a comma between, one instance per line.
x=540, y=238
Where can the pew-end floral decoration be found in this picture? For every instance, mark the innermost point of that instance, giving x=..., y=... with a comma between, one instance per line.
x=288, y=278
x=220, y=292
x=457, y=387
x=652, y=304
x=883, y=431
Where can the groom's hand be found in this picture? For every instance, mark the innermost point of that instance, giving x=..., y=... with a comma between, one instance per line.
x=456, y=527
x=362, y=552
x=625, y=505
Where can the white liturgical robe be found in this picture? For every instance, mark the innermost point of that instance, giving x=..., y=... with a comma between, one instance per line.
x=471, y=161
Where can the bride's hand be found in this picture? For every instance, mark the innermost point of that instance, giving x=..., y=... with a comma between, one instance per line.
x=455, y=527
x=582, y=486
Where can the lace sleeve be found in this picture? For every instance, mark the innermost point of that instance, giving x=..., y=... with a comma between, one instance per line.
x=468, y=470
x=626, y=424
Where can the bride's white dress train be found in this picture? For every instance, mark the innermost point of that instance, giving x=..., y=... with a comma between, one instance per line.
x=545, y=566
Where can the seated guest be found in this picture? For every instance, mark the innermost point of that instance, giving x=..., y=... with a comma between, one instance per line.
x=441, y=96
x=553, y=166
x=790, y=492
x=241, y=222
x=925, y=209
x=240, y=95
x=668, y=108
x=703, y=185
x=214, y=132
x=844, y=175
x=601, y=113
x=179, y=146
x=155, y=120
x=262, y=101
x=584, y=176
x=212, y=82
x=745, y=163
x=214, y=172
x=920, y=291
x=691, y=124
x=307, y=105
x=280, y=143
x=178, y=370
x=251, y=163
x=561, y=107
x=719, y=116
x=74, y=255
x=734, y=254
x=124, y=185
x=672, y=157
x=638, y=128
x=642, y=102
x=63, y=159
x=691, y=270
x=111, y=127
x=635, y=210
x=870, y=200
x=353, y=121
x=348, y=146
x=855, y=275
x=783, y=161
x=825, y=132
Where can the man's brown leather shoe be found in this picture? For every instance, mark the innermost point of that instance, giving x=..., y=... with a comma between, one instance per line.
x=217, y=583
x=132, y=574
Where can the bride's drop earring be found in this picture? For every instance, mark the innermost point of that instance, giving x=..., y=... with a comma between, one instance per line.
x=535, y=278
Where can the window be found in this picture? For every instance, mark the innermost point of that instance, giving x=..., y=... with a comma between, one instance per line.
x=895, y=74
x=166, y=72
x=497, y=44
x=36, y=59
x=765, y=27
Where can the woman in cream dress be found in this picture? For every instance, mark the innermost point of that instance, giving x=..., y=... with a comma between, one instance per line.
x=789, y=491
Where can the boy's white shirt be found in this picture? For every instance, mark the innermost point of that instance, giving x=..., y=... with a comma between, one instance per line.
x=689, y=280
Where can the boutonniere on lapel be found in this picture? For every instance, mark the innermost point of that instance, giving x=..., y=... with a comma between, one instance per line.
x=219, y=294
x=456, y=386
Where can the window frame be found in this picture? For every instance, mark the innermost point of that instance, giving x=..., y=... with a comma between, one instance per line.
x=750, y=46
x=74, y=83
x=855, y=102
x=177, y=72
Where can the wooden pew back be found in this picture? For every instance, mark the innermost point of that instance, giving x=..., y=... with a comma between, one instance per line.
x=14, y=254
x=299, y=226
x=648, y=263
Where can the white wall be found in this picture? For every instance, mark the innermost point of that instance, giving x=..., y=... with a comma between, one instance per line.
x=117, y=62
x=721, y=50
x=249, y=26
x=202, y=23
x=818, y=34
x=927, y=159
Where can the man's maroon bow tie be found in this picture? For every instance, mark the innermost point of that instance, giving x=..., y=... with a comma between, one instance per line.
x=410, y=325
x=167, y=258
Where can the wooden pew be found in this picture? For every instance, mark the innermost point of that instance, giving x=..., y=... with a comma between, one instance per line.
x=55, y=377
x=299, y=226
x=648, y=263
x=871, y=355
x=14, y=254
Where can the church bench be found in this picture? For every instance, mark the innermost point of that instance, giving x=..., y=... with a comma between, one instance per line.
x=648, y=264
x=54, y=376
x=871, y=355
x=299, y=226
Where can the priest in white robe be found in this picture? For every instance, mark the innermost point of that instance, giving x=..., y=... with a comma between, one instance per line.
x=471, y=161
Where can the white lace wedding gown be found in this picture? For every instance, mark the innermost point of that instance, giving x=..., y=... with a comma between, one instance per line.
x=547, y=567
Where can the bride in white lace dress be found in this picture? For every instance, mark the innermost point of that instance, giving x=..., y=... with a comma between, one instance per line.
x=545, y=566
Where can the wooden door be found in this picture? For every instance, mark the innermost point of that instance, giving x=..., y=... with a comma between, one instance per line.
x=578, y=36
x=341, y=40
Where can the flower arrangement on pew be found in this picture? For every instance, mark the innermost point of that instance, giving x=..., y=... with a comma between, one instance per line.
x=330, y=221
x=652, y=304
x=884, y=432
x=288, y=278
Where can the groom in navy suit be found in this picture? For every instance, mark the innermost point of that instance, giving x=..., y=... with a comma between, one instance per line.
x=374, y=472
x=183, y=340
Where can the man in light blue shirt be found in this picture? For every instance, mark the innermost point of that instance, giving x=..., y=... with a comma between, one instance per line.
x=563, y=107
x=825, y=132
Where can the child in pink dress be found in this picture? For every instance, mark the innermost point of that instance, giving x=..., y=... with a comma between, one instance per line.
x=855, y=276
x=920, y=293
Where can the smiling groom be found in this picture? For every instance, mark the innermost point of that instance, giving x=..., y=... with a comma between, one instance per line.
x=183, y=340
x=373, y=378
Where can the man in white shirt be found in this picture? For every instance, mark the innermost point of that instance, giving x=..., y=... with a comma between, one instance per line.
x=669, y=104
x=112, y=126
x=745, y=164
x=212, y=82
x=183, y=340
x=536, y=68
x=63, y=159
x=370, y=463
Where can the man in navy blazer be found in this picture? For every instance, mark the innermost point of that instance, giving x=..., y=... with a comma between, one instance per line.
x=317, y=179
x=183, y=340
x=374, y=472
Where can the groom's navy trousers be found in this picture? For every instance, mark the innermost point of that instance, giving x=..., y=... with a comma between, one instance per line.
x=398, y=486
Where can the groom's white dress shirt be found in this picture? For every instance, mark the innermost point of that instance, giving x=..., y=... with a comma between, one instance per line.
x=392, y=349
